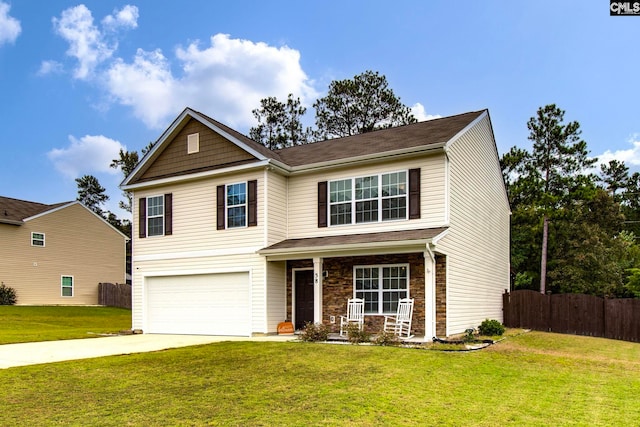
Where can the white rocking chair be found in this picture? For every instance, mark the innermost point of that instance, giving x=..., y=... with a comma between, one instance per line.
x=400, y=324
x=355, y=315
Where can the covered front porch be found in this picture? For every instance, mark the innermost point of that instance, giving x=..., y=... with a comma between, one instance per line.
x=323, y=273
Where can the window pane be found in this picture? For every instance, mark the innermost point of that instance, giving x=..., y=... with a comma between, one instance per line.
x=155, y=226
x=340, y=191
x=366, y=187
x=394, y=184
x=395, y=208
x=370, y=301
x=341, y=214
x=390, y=301
x=155, y=206
x=367, y=211
x=236, y=217
x=237, y=194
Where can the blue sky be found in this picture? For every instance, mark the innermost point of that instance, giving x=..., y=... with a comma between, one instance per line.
x=79, y=81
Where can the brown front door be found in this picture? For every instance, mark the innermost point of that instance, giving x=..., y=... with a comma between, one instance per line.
x=304, y=297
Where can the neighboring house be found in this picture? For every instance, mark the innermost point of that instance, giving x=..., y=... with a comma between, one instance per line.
x=57, y=254
x=231, y=238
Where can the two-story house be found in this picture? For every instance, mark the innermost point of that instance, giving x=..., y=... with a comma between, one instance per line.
x=232, y=238
x=58, y=254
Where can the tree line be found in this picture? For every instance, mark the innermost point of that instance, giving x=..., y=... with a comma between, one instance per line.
x=574, y=226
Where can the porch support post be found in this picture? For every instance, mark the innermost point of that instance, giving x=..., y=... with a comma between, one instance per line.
x=429, y=294
x=317, y=290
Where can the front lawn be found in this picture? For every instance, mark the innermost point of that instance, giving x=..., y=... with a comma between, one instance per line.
x=50, y=323
x=531, y=379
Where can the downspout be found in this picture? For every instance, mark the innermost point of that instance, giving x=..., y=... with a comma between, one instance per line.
x=433, y=291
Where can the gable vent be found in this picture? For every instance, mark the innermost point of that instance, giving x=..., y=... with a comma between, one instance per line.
x=193, y=143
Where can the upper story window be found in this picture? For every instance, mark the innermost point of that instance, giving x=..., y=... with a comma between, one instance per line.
x=155, y=216
x=37, y=239
x=237, y=205
x=371, y=198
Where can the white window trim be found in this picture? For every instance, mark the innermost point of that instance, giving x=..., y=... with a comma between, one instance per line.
x=73, y=285
x=380, y=290
x=245, y=205
x=379, y=198
x=148, y=217
x=33, y=239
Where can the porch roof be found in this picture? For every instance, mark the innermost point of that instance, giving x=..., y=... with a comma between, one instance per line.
x=354, y=244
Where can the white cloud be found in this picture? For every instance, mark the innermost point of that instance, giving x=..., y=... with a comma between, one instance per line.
x=90, y=154
x=225, y=80
x=87, y=43
x=420, y=114
x=127, y=17
x=630, y=156
x=9, y=26
x=49, y=67
x=146, y=85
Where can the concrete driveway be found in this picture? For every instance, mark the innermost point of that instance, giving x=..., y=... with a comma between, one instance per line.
x=34, y=353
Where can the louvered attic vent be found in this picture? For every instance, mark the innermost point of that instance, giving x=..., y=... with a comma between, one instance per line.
x=193, y=143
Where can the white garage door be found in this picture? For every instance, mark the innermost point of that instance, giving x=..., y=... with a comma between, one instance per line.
x=204, y=304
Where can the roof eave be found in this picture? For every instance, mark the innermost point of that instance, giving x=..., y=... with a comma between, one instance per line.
x=332, y=251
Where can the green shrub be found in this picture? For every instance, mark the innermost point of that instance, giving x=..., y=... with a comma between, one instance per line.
x=468, y=335
x=386, y=339
x=355, y=335
x=313, y=332
x=7, y=295
x=491, y=328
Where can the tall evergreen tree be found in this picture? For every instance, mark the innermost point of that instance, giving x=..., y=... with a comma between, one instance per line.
x=279, y=123
x=362, y=104
x=91, y=194
x=557, y=166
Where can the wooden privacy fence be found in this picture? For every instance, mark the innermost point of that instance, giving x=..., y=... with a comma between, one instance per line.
x=575, y=314
x=114, y=295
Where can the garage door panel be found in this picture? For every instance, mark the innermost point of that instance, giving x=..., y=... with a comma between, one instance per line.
x=213, y=304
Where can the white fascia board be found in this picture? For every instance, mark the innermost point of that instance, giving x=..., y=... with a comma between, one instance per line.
x=375, y=248
x=199, y=175
x=466, y=128
x=369, y=158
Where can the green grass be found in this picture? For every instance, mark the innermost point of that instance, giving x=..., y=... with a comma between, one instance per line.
x=50, y=323
x=531, y=379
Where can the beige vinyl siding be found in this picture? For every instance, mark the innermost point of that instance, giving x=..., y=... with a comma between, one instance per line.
x=303, y=196
x=276, y=294
x=276, y=204
x=194, y=220
x=77, y=244
x=477, y=245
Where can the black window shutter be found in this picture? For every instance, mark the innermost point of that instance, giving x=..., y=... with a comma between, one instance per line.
x=322, y=204
x=252, y=199
x=220, y=207
x=414, y=193
x=142, y=218
x=168, y=214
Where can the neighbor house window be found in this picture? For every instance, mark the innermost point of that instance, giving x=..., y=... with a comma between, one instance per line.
x=155, y=216
x=370, y=198
x=381, y=287
x=37, y=239
x=237, y=205
x=67, y=286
